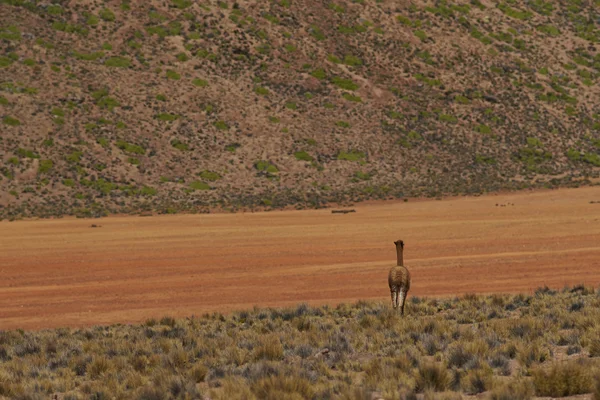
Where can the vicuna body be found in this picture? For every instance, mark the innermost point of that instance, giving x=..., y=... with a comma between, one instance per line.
x=399, y=279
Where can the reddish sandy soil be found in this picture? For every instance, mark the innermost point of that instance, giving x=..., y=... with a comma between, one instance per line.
x=65, y=273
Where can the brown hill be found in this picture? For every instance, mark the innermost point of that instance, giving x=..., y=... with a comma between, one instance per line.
x=126, y=106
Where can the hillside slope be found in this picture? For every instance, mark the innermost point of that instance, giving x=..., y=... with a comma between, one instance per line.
x=126, y=106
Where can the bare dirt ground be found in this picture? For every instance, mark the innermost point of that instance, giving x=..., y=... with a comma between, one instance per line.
x=63, y=272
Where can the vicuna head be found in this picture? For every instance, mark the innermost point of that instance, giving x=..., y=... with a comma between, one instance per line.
x=399, y=251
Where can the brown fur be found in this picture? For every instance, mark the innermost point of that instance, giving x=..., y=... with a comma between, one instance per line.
x=399, y=279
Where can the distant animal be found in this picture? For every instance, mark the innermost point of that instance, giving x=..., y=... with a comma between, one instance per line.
x=399, y=279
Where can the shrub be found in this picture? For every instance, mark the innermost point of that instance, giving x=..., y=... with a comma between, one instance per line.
x=173, y=75
x=198, y=185
x=210, y=176
x=476, y=381
x=261, y=90
x=563, y=379
x=432, y=377
x=270, y=348
x=107, y=14
x=118, y=62
x=352, y=61
x=351, y=97
x=45, y=166
x=549, y=30
x=179, y=145
x=344, y=83
x=319, y=73
x=148, y=191
x=130, y=148
x=221, y=125
x=266, y=166
x=167, y=117
x=10, y=121
x=200, y=82
x=353, y=155
x=303, y=156
x=283, y=387
x=515, y=390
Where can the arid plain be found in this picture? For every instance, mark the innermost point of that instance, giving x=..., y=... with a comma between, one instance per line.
x=67, y=273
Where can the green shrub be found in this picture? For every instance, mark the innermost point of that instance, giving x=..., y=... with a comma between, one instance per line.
x=210, y=176
x=221, y=125
x=108, y=102
x=592, y=158
x=484, y=129
x=198, y=185
x=74, y=157
x=26, y=153
x=343, y=83
x=118, y=62
x=263, y=91
x=232, y=147
x=319, y=73
x=130, y=148
x=448, y=118
x=173, y=75
x=5, y=61
x=107, y=14
x=513, y=13
x=167, y=117
x=573, y=155
x=148, y=191
x=200, y=82
x=352, y=60
x=462, y=99
x=351, y=97
x=182, y=4
x=421, y=35
x=549, y=30
x=266, y=166
x=10, y=121
x=353, y=155
x=45, y=166
x=179, y=145
x=303, y=156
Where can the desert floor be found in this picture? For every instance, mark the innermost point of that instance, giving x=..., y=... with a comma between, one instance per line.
x=64, y=272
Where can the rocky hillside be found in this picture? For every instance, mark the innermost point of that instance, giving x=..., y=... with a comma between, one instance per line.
x=178, y=105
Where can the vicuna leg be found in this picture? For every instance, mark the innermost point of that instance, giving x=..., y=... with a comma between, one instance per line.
x=401, y=298
x=394, y=298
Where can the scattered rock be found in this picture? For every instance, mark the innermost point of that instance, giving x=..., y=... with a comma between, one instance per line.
x=95, y=226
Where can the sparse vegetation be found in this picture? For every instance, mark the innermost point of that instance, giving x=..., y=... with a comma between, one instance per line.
x=451, y=347
x=225, y=84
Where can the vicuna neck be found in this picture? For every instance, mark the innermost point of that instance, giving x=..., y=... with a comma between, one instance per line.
x=400, y=254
